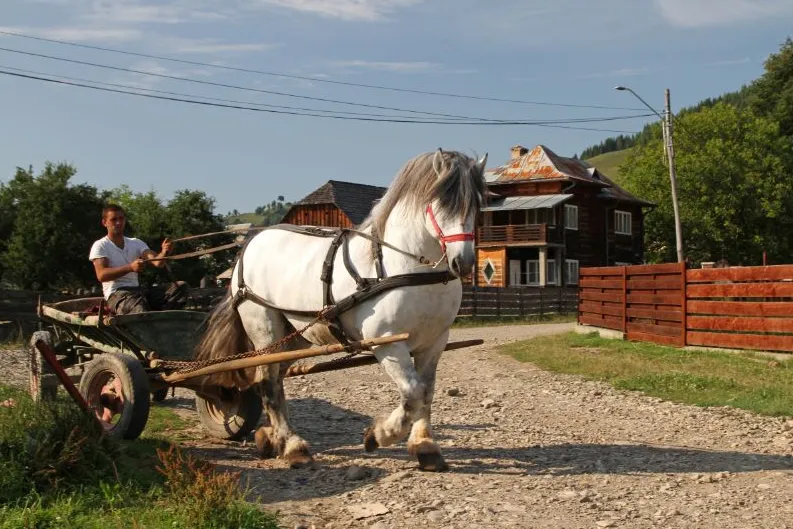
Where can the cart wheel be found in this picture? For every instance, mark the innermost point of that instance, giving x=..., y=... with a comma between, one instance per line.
x=116, y=387
x=42, y=381
x=159, y=395
x=234, y=416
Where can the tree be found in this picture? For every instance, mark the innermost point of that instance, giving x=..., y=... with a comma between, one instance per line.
x=54, y=225
x=733, y=188
x=191, y=213
x=772, y=93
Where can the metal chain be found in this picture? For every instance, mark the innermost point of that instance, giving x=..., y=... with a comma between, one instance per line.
x=185, y=366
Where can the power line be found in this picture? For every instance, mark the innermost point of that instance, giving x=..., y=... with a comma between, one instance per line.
x=237, y=87
x=270, y=111
x=312, y=79
x=34, y=73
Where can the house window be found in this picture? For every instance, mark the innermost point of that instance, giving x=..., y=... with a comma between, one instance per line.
x=571, y=217
x=622, y=263
x=572, y=271
x=551, y=217
x=532, y=272
x=550, y=274
x=489, y=271
x=622, y=222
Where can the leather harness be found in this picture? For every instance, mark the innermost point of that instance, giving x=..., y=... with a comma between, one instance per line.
x=366, y=287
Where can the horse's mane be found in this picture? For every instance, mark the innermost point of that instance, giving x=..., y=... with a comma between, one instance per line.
x=454, y=179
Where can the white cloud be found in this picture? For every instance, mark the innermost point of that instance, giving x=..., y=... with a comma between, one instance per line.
x=80, y=34
x=622, y=72
x=218, y=47
x=387, y=66
x=730, y=62
x=366, y=10
x=703, y=13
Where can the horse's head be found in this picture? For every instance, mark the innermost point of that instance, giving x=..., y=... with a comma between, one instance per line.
x=455, y=201
x=438, y=196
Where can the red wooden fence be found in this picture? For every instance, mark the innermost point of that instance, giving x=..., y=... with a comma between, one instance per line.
x=739, y=307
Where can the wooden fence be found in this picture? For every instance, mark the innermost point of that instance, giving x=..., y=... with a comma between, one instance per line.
x=738, y=307
x=487, y=302
x=18, y=307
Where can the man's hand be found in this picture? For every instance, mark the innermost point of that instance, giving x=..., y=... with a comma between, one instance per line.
x=166, y=247
x=137, y=265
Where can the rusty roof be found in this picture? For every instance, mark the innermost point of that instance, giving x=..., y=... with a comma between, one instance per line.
x=541, y=163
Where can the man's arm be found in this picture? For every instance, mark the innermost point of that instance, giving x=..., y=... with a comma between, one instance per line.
x=106, y=273
x=149, y=254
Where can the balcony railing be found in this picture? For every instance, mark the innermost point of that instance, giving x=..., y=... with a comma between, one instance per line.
x=515, y=234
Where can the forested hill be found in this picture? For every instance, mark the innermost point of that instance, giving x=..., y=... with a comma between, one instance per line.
x=739, y=99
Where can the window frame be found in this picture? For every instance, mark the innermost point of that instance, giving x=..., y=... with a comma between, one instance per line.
x=568, y=217
x=627, y=221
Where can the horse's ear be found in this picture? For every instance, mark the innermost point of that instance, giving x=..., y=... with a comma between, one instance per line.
x=481, y=163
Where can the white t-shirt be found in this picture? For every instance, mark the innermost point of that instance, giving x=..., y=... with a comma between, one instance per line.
x=116, y=257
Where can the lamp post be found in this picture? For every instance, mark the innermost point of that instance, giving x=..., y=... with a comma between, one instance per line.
x=667, y=129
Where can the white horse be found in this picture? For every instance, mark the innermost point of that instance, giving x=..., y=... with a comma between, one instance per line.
x=426, y=222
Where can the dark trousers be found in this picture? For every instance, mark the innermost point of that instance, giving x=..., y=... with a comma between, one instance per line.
x=133, y=300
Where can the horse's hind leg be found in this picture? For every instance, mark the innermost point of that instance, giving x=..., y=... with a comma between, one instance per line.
x=265, y=326
x=278, y=439
x=395, y=359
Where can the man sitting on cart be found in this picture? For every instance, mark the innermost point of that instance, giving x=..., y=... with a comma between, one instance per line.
x=118, y=260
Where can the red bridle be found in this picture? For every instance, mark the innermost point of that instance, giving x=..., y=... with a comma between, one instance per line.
x=466, y=236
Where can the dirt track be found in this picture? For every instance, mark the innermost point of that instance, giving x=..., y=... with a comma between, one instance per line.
x=526, y=448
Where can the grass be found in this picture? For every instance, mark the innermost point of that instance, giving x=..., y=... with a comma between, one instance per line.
x=473, y=321
x=744, y=380
x=609, y=163
x=56, y=472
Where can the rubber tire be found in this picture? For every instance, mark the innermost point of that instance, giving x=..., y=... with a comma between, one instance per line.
x=234, y=427
x=48, y=380
x=134, y=386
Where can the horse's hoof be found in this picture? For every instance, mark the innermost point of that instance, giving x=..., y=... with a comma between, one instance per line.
x=297, y=453
x=432, y=462
x=264, y=446
x=370, y=443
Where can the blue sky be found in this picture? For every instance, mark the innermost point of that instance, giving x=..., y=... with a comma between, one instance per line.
x=568, y=51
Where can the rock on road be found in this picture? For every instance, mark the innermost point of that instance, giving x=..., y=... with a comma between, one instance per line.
x=526, y=448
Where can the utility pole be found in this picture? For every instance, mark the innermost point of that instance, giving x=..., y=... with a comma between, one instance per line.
x=673, y=176
x=669, y=152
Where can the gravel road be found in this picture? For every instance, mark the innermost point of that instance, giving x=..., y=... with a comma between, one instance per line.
x=526, y=448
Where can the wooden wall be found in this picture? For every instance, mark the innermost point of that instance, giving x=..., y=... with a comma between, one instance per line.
x=498, y=256
x=318, y=215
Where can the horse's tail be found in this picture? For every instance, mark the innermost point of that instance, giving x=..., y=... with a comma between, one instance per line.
x=225, y=336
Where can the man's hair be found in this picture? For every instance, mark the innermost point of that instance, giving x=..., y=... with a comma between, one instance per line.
x=111, y=207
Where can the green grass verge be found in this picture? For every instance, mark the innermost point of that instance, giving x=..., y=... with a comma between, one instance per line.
x=704, y=378
x=56, y=472
x=473, y=321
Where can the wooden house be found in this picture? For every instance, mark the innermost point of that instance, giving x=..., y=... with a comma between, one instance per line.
x=335, y=204
x=548, y=216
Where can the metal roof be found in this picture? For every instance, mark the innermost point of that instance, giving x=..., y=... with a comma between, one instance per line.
x=532, y=202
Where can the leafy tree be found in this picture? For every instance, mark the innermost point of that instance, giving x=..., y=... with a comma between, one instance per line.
x=772, y=93
x=191, y=213
x=54, y=225
x=734, y=192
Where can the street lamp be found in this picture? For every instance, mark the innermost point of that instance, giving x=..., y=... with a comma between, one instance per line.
x=667, y=129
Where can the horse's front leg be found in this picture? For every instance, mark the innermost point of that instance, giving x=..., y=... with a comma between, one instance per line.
x=279, y=439
x=395, y=359
x=420, y=443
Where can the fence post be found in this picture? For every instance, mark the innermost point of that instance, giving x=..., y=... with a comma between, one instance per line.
x=542, y=303
x=520, y=302
x=473, y=302
x=625, y=299
x=498, y=302
x=684, y=308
